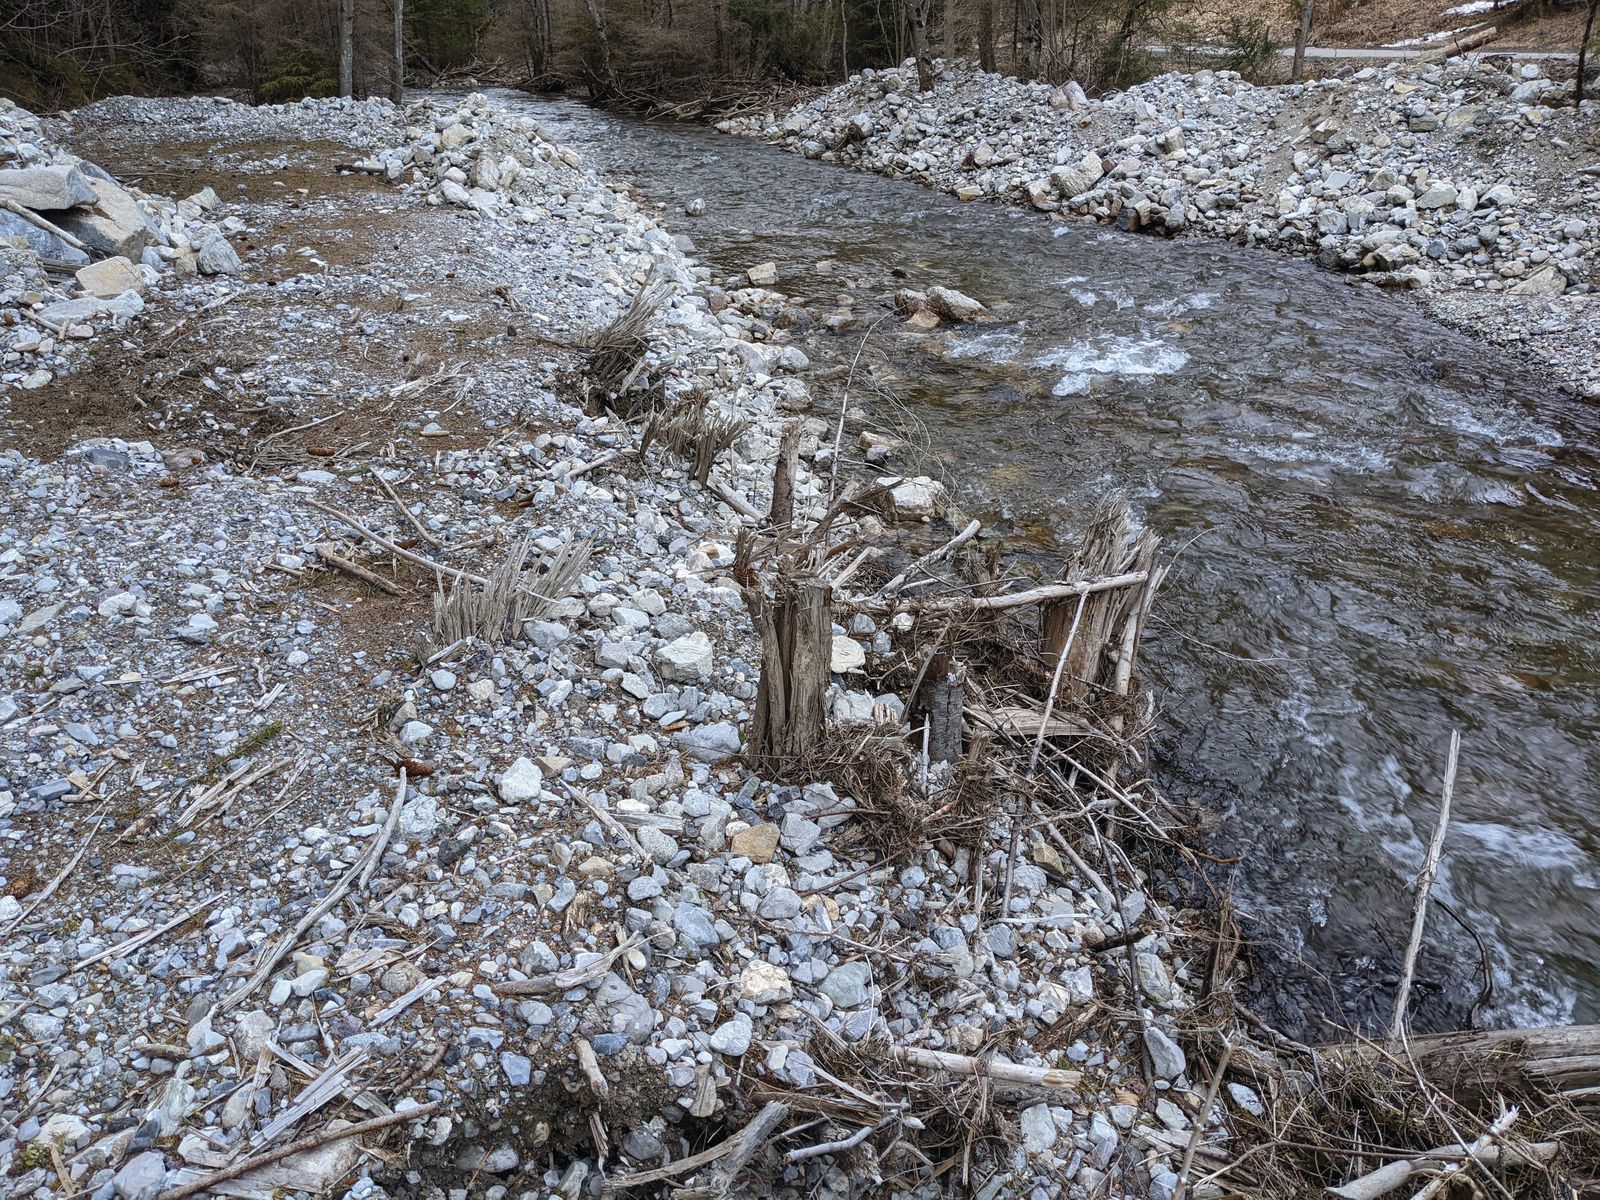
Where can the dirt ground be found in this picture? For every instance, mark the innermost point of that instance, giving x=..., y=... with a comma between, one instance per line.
x=1542, y=25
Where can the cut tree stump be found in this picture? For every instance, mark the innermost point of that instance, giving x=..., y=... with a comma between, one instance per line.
x=795, y=619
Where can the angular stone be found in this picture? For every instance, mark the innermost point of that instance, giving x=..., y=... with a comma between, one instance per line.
x=1547, y=281
x=117, y=224
x=846, y=655
x=46, y=189
x=1038, y=1129
x=1074, y=180
x=217, y=257
x=763, y=983
x=110, y=277
x=1167, y=1060
x=956, y=306
x=687, y=659
x=712, y=743
x=733, y=1037
x=521, y=782
x=141, y=1177
x=758, y=843
x=914, y=498
x=846, y=985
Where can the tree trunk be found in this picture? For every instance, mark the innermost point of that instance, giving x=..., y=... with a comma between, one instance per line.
x=796, y=627
x=917, y=10
x=1030, y=19
x=347, y=47
x=986, y=35
x=1583, y=50
x=844, y=39
x=1300, y=39
x=607, y=82
x=719, y=32
x=949, y=32
x=397, y=85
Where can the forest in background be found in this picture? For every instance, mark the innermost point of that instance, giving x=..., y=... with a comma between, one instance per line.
x=59, y=53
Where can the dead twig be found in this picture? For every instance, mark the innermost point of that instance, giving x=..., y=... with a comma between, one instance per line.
x=327, y=555
x=309, y=1142
x=1419, y=904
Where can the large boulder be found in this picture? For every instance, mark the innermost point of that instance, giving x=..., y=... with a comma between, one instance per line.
x=41, y=241
x=46, y=189
x=116, y=224
x=1076, y=178
x=956, y=306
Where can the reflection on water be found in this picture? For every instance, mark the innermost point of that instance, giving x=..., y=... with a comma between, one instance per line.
x=1393, y=534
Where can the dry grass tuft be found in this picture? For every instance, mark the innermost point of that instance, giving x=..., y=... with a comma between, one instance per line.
x=495, y=613
x=694, y=430
x=616, y=357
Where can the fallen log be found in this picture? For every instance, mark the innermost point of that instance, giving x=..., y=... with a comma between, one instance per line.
x=1564, y=1059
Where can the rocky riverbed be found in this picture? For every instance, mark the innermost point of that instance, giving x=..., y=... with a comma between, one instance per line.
x=1474, y=184
x=274, y=852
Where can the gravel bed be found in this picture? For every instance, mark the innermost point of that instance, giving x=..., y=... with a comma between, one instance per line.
x=205, y=732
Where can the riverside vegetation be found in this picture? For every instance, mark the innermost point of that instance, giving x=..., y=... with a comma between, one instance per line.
x=381, y=659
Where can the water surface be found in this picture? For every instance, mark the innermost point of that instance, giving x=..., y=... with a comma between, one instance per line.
x=1389, y=532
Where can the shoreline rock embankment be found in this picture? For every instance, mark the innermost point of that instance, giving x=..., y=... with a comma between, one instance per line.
x=1475, y=185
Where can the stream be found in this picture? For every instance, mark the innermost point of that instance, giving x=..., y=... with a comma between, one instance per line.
x=1382, y=531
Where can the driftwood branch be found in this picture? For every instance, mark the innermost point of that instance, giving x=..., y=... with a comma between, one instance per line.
x=421, y=560
x=741, y=1148
x=1049, y=591
x=411, y=517
x=752, y=1135
x=565, y=981
x=327, y=555
x=1419, y=904
x=998, y=1069
x=802, y=1153
x=309, y=1142
x=1395, y=1175
x=928, y=559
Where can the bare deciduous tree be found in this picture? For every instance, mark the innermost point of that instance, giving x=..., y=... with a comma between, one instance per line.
x=347, y=47
x=1300, y=38
x=1033, y=31
x=1583, y=49
x=917, y=13
x=397, y=85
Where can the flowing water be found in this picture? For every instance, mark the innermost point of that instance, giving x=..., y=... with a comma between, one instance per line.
x=1386, y=531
